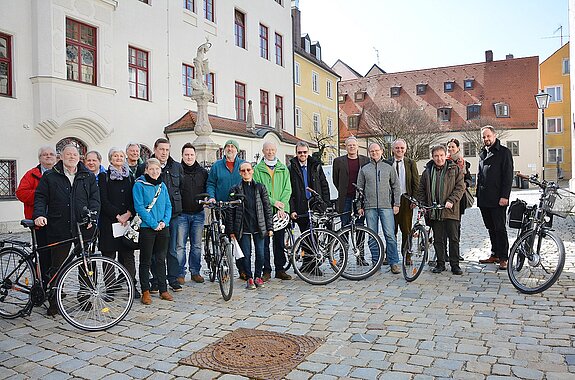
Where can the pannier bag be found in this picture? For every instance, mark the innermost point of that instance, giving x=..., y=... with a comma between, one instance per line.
x=515, y=213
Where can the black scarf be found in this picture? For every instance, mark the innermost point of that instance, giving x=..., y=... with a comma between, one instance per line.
x=153, y=181
x=189, y=169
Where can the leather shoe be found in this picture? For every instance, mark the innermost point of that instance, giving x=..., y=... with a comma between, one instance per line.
x=503, y=264
x=182, y=280
x=197, y=278
x=146, y=297
x=166, y=296
x=457, y=271
x=490, y=260
x=395, y=269
x=282, y=275
x=438, y=269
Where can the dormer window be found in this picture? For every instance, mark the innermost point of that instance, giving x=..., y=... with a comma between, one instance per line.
x=318, y=51
x=501, y=109
x=353, y=121
x=444, y=114
x=420, y=89
x=360, y=96
x=341, y=98
x=395, y=91
x=468, y=84
x=473, y=111
x=448, y=86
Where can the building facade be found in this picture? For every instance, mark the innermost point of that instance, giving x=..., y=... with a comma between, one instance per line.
x=102, y=73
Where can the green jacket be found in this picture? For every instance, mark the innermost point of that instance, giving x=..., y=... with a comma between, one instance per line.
x=280, y=189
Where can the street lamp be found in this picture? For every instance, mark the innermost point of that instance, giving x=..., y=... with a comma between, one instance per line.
x=542, y=99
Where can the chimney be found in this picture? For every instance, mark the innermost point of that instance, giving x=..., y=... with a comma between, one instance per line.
x=488, y=55
x=509, y=56
x=296, y=26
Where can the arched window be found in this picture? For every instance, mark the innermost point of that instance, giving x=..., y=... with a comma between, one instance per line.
x=82, y=147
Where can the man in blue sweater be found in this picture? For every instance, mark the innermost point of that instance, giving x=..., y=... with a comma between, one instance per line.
x=225, y=173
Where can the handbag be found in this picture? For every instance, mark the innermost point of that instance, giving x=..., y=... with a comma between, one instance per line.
x=469, y=199
x=131, y=237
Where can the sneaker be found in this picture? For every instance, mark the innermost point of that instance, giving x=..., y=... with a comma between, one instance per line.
x=197, y=278
x=176, y=287
x=166, y=296
x=181, y=280
x=266, y=277
x=154, y=289
x=259, y=283
x=250, y=284
x=395, y=269
x=282, y=275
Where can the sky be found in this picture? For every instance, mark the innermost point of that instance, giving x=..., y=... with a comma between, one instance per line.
x=421, y=34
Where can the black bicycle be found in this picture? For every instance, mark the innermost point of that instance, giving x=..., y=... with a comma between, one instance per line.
x=218, y=249
x=93, y=292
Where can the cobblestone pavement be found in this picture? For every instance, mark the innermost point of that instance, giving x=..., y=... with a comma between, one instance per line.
x=475, y=326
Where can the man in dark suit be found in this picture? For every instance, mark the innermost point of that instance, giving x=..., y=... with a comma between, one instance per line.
x=494, y=180
x=344, y=174
x=406, y=170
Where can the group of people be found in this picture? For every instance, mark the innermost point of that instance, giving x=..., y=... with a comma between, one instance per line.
x=163, y=192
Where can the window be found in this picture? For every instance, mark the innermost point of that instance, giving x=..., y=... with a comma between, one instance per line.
x=316, y=124
x=341, y=98
x=190, y=5
x=556, y=93
x=279, y=50
x=280, y=2
x=501, y=109
x=330, y=127
x=565, y=66
x=296, y=74
x=240, y=29
x=265, y=107
x=473, y=111
x=298, y=117
x=469, y=149
x=395, y=91
x=7, y=179
x=138, y=73
x=554, y=125
x=468, y=84
x=315, y=82
x=359, y=96
x=513, y=146
x=444, y=114
x=144, y=1
x=554, y=155
x=187, y=77
x=353, y=122
x=280, y=110
x=448, y=86
x=329, y=89
x=240, y=101
x=264, y=50
x=420, y=89
x=5, y=65
x=209, y=10
x=80, y=52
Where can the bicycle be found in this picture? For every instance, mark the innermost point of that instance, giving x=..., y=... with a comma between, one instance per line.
x=318, y=255
x=543, y=249
x=417, y=252
x=218, y=249
x=93, y=292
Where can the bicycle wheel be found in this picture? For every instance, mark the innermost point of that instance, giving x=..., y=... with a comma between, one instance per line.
x=535, y=262
x=17, y=277
x=226, y=269
x=431, y=255
x=288, y=246
x=95, y=296
x=364, y=252
x=209, y=257
x=319, y=257
x=416, y=254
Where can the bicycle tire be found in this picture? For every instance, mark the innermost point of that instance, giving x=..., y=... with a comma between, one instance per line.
x=416, y=254
x=226, y=269
x=361, y=263
x=209, y=256
x=319, y=259
x=96, y=299
x=288, y=247
x=532, y=270
x=17, y=276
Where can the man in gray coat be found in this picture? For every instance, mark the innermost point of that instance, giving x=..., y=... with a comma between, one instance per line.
x=382, y=190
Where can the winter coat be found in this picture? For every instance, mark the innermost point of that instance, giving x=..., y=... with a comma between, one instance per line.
x=316, y=181
x=27, y=188
x=279, y=188
x=235, y=216
x=171, y=175
x=340, y=176
x=63, y=204
x=381, y=186
x=495, y=175
x=116, y=197
x=453, y=188
x=221, y=180
x=143, y=193
x=193, y=183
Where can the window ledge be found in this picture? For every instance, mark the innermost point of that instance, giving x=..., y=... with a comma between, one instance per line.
x=112, y=3
x=71, y=83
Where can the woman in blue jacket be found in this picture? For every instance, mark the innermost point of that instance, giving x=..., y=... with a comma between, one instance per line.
x=152, y=203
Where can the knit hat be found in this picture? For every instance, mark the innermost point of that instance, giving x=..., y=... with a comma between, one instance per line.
x=234, y=143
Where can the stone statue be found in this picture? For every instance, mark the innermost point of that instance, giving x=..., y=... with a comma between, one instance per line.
x=202, y=67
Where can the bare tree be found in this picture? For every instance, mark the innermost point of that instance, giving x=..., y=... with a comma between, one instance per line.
x=322, y=138
x=414, y=125
x=471, y=131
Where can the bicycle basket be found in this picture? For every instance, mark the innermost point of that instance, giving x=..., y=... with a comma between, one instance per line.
x=560, y=202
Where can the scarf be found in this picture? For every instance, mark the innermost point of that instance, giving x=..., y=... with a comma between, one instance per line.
x=435, y=190
x=271, y=163
x=458, y=159
x=189, y=169
x=118, y=175
x=153, y=181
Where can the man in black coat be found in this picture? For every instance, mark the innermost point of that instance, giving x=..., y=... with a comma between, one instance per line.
x=494, y=180
x=59, y=203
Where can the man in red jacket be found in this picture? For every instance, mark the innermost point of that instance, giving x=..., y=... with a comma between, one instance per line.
x=25, y=193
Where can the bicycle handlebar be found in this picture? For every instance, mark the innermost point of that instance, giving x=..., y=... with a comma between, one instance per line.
x=419, y=204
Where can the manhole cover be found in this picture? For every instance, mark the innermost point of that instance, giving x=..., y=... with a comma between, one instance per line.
x=255, y=353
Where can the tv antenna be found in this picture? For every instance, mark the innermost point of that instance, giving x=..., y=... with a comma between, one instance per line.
x=376, y=55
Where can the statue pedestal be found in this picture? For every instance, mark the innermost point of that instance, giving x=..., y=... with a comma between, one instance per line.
x=205, y=151
x=205, y=147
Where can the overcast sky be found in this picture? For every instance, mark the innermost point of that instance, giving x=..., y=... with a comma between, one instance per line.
x=420, y=34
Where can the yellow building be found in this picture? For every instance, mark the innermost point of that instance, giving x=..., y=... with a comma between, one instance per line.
x=554, y=77
x=315, y=90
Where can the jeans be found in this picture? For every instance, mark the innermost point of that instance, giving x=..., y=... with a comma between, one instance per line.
x=385, y=216
x=185, y=225
x=346, y=218
x=153, y=244
x=246, y=261
x=279, y=256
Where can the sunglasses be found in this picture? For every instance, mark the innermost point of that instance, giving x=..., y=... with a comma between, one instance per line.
x=302, y=152
x=245, y=170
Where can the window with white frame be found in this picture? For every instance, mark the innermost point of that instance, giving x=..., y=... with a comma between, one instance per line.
x=553, y=125
x=297, y=74
x=556, y=93
x=353, y=122
x=469, y=149
x=513, y=146
x=554, y=155
x=316, y=123
x=329, y=89
x=565, y=66
x=315, y=82
x=240, y=28
x=81, y=52
x=5, y=65
x=501, y=109
x=298, y=117
x=330, y=126
x=189, y=5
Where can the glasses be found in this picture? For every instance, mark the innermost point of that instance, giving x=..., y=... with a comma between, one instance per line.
x=245, y=170
x=302, y=152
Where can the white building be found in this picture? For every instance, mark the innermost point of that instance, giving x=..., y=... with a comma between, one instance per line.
x=105, y=72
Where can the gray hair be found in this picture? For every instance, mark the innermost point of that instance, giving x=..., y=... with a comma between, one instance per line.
x=45, y=148
x=98, y=155
x=268, y=143
x=70, y=146
x=490, y=127
x=113, y=150
x=133, y=144
x=437, y=147
x=350, y=138
x=374, y=143
x=398, y=141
